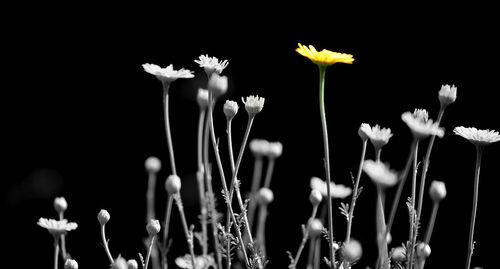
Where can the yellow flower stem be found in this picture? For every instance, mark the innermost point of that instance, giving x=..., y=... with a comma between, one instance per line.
x=148, y=255
x=56, y=251
x=355, y=193
x=305, y=237
x=187, y=233
x=223, y=178
x=402, y=180
x=470, y=249
x=426, y=164
x=105, y=243
x=322, y=71
x=201, y=184
x=413, y=218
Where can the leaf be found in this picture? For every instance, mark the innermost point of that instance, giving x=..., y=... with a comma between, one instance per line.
x=344, y=210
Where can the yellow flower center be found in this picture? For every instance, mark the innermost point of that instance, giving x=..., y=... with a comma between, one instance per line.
x=324, y=57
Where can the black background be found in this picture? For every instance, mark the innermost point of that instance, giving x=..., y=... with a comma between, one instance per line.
x=81, y=116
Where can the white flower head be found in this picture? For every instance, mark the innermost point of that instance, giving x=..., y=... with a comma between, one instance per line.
x=380, y=173
x=336, y=190
x=364, y=131
x=447, y=95
x=152, y=164
x=264, y=196
x=275, y=149
x=253, y=104
x=202, y=98
x=379, y=137
x=230, y=109
x=153, y=227
x=437, y=191
x=60, y=204
x=352, y=250
x=477, y=137
x=315, y=227
x=119, y=263
x=57, y=227
x=167, y=74
x=217, y=85
x=132, y=264
x=184, y=262
x=70, y=264
x=211, y=64
x=420, y=125
x=259, y=147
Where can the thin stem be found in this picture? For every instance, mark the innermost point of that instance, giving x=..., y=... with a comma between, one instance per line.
x=402, y=179
x=261, y=229
x=413, y=217
x=230, y=143
x=187, y=233
x=317, y=253
x=166, y=86
x=166, y=230
x=355, y=191
x=256, y=178
x=310, y=256
x=56, y=251
x=430, y=227
x=426, y=165
x=105, y=242
x=201, y=184
x=470, y=250
x=223, y=179
x=305, y=236
x=322, y=72
x=242, y=149
x=150, y=196
x=63, y=239
x=382, y=262
x=148, y=255
x=269, y=172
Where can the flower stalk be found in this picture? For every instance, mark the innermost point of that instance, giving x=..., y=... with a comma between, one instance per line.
x=470, y=249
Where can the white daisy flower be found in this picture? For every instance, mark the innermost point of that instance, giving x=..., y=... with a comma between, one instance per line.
x=211, y=64
x=336, y=190
x=447, y=95
x=275, y=149
x=168, y=74
x=420, y=125
x=253, y=104
x=378, y=137
x=477, y=137
x=380, y=173
x=57, y=227
x=185, y=262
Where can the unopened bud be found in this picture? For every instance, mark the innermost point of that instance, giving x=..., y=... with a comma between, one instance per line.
x=103, y=216
x=119, y=263
x=60, y=204
x=70, y=264
x=398, y=254
x=315, y=228
x=153, y=227
x=230, y=109
x=202, y=98
x=132, y=264
x=423, y=250
x=315, y=197
x=217, y=85
x=352, y=251
x=275, y=149
x=152, y=164
x=437, y=191
x=265, y=196
x=173, y=184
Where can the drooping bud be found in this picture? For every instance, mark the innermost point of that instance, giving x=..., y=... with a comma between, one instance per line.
x=132, y=264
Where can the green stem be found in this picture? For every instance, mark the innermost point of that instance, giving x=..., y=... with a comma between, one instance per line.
x=426, y=165
x=322, y=72
x=432, y=220
x=105, y=242
x=470, y=250
x=166, y=87
x=187, y=233
x=402, y=179
x=355, y=193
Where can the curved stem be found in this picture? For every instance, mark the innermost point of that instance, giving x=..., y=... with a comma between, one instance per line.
x=432, y=220
x=105, y=242
x=426, y=165
x=166, y=87
x=324, y=128
x=402, y=179
x=240, y=154
x=355, y=191
x=470, y=250
x=148, y=255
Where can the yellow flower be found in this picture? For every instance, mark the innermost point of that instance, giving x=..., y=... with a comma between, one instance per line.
x=324, y=57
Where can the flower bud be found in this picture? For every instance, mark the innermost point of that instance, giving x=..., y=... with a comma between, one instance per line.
x=202, y=98
x=173, y=184
x=364, y=131
x=230, y=109
x=423, y=250
x=70, y=264
x=132, y=264
x=217, y=85
x=60, y=204
x=253, y=104
x=315, y=228
x=265, y=196
x=437, y=191
x=153, y=227
x=275, y=149
x=103, y=216
x=352, y=251
x=447, y=95
x=119, y=263
x=259, y=147
x=315, y=197
x=398, y=254
x=152, y=164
